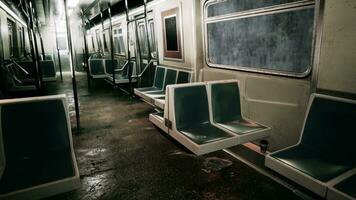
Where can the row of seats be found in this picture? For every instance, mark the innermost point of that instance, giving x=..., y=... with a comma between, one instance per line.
x=206, y=117
x=155, y=95
x=100, y=68
x=36, y=153
x=324, y=160
x=23, y=72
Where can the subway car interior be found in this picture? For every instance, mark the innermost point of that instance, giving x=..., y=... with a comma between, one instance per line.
x=178, y=99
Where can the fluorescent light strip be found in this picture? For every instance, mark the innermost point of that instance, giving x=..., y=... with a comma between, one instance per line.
x=11, y=13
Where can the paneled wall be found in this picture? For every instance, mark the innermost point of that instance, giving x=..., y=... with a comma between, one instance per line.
x=337, y=66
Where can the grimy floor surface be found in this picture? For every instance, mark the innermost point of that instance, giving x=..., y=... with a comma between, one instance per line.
x=121, y=155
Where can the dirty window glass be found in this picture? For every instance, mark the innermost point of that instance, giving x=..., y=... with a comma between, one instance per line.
x=276, y=42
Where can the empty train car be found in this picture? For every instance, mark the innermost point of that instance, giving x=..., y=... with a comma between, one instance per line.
x=178, y=99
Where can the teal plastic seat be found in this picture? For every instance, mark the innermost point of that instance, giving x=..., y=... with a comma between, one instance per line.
x=326, y=140
x=323, y=152
x=347, y=186
x=183, y=77
x=39, y=151
x=171, y=77
x=48, y=70
x=192, y=115
x=226, y=109
x=97, y=68
x=157, y=83
x=109, y=67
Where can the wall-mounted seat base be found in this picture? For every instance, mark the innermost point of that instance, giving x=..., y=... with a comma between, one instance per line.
x=121, y=79
x=158, y=120
x=160, y=102
x=205, y=133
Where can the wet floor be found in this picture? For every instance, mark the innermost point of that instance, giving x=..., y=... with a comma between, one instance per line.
x=121, y=155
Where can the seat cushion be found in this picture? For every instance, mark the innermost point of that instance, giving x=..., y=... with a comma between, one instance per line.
x=348, y=186
x=156, y=93
x=241, y=126
x=146, y=89
x=205, y=133
x=313, y=163
x=34, y=171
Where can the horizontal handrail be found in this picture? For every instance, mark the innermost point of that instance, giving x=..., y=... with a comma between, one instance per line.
x=123, y=67
x=11, y=75
x=19, y=66
x=144, y=69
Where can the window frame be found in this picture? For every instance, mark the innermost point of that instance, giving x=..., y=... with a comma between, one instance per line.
x=12, y=37
x=286, y=7
x=118, y=35
x=173, y=55
x=142, y=39
x=152, y=37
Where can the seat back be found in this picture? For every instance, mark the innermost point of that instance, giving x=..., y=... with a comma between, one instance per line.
x=329, y=128
x=159, y=77
x=97, y=67
x=34, y=129
x=225, y=101
x=47, y=57
x=190, y=106
x=183, y=77
x=171, y=76
x=48, y=69
x=108, y=65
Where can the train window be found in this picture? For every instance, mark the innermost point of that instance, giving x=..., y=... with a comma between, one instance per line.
x=106, y=40
x=143, y=39
x=12, y=37
x=22, y=41
x=152, y=38
x=119, y=45
x=278, y=40
x=62, y=42
x=232, y=6
x=98, y=40
x=171, y=34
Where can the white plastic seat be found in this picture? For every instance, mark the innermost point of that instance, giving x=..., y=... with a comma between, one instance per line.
x=39, y=157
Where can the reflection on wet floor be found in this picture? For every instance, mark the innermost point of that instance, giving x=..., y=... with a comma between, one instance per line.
x=121, y=155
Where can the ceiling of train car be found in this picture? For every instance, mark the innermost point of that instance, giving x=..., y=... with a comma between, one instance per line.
x=47, y=8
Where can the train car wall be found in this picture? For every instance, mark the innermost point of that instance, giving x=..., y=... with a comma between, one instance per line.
x=337, y=64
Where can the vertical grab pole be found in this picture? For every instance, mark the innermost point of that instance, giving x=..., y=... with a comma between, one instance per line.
x=39, y=34
x=139, y=52
x=32, y=49
x=58, y=54
x=148, y=40
x=111, y=45
x=86, y=55
x=71, y=61
x=101, y=35
x=128, y=45
x=36, y=54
